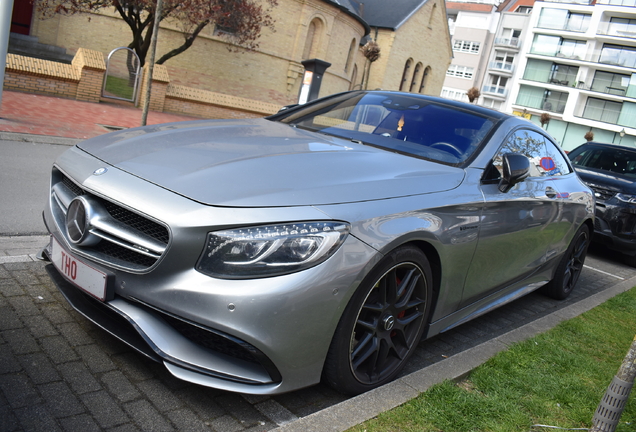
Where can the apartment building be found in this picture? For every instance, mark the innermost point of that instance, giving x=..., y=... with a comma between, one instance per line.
x=472, y=26
x=577, y=63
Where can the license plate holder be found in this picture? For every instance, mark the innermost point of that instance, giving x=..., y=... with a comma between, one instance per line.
x=80, y=274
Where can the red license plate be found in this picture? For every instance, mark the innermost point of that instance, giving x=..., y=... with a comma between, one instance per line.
x=77, y=272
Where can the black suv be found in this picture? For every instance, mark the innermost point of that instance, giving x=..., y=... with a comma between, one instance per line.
x=610, y=171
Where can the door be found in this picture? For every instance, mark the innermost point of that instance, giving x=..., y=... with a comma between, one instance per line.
x=517, y=226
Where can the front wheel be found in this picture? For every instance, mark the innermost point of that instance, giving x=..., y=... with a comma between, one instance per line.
x=382, y=324
x=570, y=267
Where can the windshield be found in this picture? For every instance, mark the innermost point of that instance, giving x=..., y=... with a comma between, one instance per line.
x=408, y=124
x=618, y=161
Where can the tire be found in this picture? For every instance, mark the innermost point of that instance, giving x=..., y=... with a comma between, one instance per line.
x=382, y=324
x=570, y=267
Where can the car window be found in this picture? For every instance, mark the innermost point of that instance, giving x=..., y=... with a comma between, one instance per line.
x=407, y=124
x=530, y=144
x=618, y=161
x=561, y=166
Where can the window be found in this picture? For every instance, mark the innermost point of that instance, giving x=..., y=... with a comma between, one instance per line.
x=524, y=9
x=562, y=19
x=564, y=75
x=611, y=83
x=497, y=85
x=558, y=47
x=509, y=37
x=503, y=61
x=529, y=143
x=622, y=27
x=417, y=77
x=454, y=94
x=549, y=72
x=491, y=103
x=460, y=71
x=542, y=99
x=602, y=110
x=406, y=75
x=618, y=55
x=425, y=75
x=466, y=46
x=352, y=50
x=313, y=38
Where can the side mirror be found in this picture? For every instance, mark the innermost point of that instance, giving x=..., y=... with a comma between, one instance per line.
x=516, y=167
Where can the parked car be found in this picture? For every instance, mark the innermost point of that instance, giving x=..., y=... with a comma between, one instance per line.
x=323, y=242
x=610, y=171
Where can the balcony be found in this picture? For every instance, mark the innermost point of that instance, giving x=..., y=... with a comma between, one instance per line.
x=617, y=2
x=617, y=31
x=496, y=90
x=501, y=66
x=508, y=42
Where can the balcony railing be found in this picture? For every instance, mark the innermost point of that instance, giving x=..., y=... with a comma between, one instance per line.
x=502, y=66
x=511, y=42
x=499, y=91
x=616, y=2
x=611, y=29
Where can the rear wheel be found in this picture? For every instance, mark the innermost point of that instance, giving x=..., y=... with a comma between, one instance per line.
x=382, y=323
x=570, y=267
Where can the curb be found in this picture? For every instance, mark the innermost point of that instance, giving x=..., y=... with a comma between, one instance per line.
x=18, y=249
x=39, y=139
x=352, y=412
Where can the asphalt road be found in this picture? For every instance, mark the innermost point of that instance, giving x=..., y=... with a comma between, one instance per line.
x=25, y=168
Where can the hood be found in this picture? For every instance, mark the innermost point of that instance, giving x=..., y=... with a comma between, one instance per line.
x=261, y=163
x=607, y=180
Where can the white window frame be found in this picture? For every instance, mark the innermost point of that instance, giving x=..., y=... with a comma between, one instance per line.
x=460, y=71
x=471, y=47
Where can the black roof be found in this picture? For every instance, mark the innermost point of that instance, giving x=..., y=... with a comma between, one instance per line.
x=353, y=8
x=389, y=14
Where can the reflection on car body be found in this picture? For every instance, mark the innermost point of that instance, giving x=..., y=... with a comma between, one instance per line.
x=323, y=242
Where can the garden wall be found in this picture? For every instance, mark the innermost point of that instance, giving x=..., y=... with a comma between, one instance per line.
x=83, y=79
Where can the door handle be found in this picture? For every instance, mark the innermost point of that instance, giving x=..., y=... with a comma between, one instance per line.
x=550, y=192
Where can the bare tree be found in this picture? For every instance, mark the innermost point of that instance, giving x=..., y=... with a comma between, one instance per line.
x=240, y=21
x=473, y=94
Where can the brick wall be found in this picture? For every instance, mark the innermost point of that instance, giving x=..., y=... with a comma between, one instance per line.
x=82, y=80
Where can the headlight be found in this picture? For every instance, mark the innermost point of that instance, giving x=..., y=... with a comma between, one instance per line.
x=270, y=250
x=626, y=198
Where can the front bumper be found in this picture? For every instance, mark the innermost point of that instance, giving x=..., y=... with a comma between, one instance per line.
x=258, y=336
x=615, y=227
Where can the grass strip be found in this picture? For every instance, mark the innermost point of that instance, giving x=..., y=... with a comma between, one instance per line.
x=557, y=378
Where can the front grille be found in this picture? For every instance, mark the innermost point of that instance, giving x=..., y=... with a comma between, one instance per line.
x=128, y=240
x=137, y=222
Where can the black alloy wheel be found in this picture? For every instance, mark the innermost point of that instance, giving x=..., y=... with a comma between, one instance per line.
x=570, y=267
x=382, y=324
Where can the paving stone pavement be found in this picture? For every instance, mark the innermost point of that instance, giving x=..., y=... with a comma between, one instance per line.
x=59, y=372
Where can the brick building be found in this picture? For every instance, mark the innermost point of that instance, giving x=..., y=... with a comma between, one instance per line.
x=413, y=36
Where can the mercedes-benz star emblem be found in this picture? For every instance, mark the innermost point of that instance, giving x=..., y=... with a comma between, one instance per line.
x=78, y=222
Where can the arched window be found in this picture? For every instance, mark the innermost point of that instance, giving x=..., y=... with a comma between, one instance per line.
x=406, y=75
x=354, y=76
x=313, y=38
x=352, y=49
x=417, y=76
x=425, y=75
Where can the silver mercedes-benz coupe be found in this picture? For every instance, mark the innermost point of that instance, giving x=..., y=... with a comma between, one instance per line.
x=261, y=256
